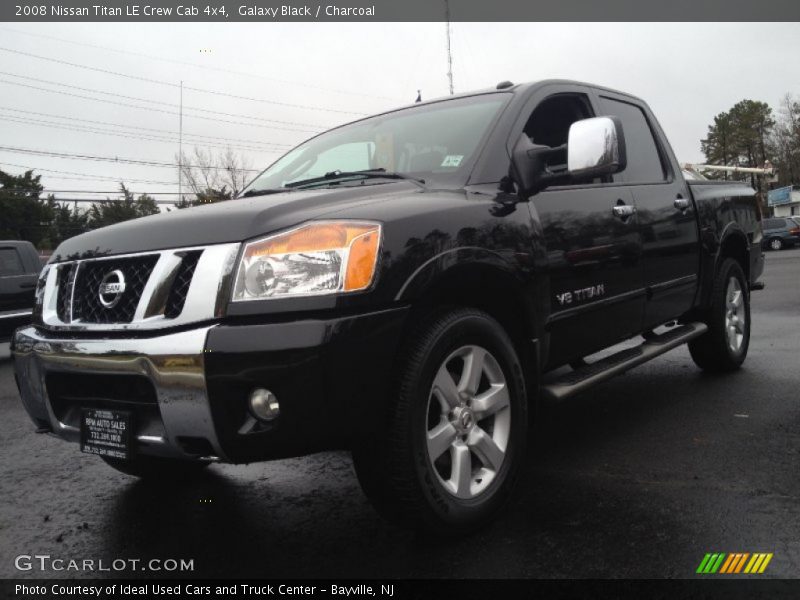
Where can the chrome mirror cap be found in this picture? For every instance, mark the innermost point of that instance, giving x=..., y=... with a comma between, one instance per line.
x=596, y=147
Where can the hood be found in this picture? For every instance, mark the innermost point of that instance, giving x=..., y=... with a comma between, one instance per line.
x=227, y=221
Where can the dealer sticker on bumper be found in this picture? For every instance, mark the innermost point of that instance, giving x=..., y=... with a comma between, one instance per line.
x=106, y=433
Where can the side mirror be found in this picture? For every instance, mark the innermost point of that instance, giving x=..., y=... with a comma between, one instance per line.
x=596, y=147
x=530, y=164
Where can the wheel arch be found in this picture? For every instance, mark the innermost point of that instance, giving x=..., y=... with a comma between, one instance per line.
x=734, y=245
x=484, y=280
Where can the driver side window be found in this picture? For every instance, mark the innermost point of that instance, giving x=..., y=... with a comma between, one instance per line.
x=549, y=125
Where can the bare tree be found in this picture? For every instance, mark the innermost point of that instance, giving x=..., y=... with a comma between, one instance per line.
x=237, y=170
x=785, y=140
x=213, y=177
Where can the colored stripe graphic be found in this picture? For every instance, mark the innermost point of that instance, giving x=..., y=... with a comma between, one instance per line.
x=734, y=563
x=727, y=564
x=703, y=563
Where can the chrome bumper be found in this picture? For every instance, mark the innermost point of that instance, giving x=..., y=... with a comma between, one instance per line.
x=173, y=363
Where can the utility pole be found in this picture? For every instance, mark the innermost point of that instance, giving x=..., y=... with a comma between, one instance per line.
x=180, y=147
x=449, y=53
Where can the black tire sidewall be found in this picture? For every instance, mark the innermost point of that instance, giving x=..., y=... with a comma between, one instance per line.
x=479, y=330
x=730, y=269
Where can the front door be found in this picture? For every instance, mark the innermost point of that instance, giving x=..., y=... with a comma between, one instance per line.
x=594, y=269
x=594, y=265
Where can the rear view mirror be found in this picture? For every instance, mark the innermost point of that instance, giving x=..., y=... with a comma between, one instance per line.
x=596, y=147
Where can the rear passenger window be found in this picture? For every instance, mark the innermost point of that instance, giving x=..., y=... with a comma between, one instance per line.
x=644, y=161
x=10, y=263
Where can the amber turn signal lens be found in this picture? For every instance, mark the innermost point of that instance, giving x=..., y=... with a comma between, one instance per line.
x=361, y=261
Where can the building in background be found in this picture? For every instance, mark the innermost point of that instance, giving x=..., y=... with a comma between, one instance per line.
x=785, y=201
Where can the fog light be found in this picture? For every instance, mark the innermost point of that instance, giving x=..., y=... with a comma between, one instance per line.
x=264, y=404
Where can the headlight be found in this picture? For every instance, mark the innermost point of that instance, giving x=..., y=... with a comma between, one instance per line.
x=325, y=257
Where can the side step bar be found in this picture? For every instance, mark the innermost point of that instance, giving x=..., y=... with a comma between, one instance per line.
x=587, y=376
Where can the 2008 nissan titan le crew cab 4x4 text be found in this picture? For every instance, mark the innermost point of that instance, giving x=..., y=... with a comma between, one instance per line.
x=403, y=287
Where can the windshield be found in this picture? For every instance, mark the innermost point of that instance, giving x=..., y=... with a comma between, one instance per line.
x=431, y=141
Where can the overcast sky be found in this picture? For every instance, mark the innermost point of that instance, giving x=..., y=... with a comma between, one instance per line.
x=314, y=75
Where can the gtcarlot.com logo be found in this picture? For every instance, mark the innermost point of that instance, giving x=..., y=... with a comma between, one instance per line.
x=733, y=563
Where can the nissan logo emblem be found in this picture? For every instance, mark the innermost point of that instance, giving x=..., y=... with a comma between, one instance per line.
x=111, y=288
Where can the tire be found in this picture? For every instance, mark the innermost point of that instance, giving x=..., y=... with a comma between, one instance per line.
x=775, y=244
x=410, y=472
x=152, y=468
x=724, y=346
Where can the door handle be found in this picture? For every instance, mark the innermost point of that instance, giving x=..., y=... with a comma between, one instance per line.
x=681, y=203
x=623, y=211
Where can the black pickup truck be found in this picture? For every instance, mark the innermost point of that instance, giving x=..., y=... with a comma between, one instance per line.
x=404, y=286
x=19, y=270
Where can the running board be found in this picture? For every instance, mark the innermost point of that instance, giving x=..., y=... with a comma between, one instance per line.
x=587, y=376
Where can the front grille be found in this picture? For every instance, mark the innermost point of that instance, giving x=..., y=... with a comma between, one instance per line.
x=162, y=289
x=86, y=305
x=64, y=292
x=180, y=287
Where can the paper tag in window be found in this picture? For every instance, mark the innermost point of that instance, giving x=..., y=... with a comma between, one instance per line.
x=452, y=160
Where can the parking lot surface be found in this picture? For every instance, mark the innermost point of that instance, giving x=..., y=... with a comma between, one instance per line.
x=639, y=478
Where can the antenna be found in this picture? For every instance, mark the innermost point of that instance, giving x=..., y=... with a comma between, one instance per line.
x=449, y=53
x=180, y=147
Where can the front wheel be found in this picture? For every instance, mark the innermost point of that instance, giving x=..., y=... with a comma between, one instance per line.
x=457, y=427
x=724, y=346
x=775, y=244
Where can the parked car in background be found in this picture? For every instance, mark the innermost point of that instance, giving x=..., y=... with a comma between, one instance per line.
x=780, y=232
x=20, y=266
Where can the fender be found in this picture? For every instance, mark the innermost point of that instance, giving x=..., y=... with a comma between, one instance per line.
x=712, y=248
x=430, y=272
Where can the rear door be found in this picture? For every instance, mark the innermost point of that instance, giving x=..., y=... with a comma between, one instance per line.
x=665, y=212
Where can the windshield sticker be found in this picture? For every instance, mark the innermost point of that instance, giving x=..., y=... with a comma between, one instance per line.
x=452, y=160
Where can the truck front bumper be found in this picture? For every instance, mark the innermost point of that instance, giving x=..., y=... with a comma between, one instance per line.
x=189, y=390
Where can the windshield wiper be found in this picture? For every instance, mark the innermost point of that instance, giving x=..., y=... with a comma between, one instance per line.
x=366, y=174
x=265, y=192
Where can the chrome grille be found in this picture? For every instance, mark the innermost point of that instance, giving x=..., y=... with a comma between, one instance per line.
x=64, y=295
x=180, y=287
x=164, y=288
x=86, y=305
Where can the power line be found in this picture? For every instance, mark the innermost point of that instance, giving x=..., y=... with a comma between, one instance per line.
x=114, y=159
x=138, y=128
x=51, y=124
x=87, y=176
x=171, y=84
x=152, y=109
x=133, y=161
x=107, y=200
x=198, y=66
x=49, y=191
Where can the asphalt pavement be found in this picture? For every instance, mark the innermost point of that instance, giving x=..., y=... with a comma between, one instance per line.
x=639, y=478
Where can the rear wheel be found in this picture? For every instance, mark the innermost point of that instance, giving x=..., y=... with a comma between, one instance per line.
x=153, y=468
x=724, y=346
x=457, y=431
